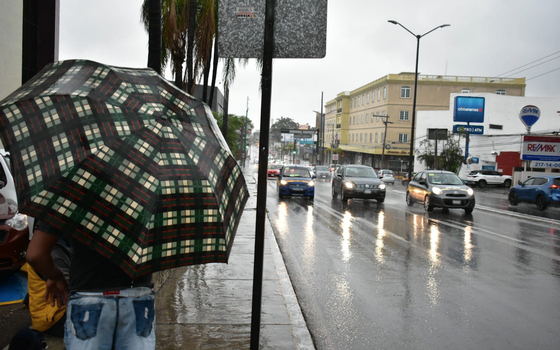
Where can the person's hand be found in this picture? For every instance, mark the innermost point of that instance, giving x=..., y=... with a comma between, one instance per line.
x=57, y=290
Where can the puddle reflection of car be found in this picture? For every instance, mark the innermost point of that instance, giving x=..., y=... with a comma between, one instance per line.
x=322, y=172
x=357, y=181
x=14, y=229
x=543, y=190
x=442, y=189
x=295, y=180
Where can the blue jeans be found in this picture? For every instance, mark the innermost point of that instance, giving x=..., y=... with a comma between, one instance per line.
x=117, y=321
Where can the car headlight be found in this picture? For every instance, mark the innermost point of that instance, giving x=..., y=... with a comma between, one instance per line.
x=18, y=222
x=349, y=185
x=382, y=186
x=437, y=190
x=283, y=182
x=311, y=183
x=470, y=191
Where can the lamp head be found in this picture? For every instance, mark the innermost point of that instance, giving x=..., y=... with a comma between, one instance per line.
x=392, y=21
x=445, y=25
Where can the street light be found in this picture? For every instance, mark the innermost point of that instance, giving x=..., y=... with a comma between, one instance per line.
x=385, y=120
x=418, y=37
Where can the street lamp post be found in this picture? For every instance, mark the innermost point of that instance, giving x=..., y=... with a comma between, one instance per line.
x=418, y=37
x=385, y=120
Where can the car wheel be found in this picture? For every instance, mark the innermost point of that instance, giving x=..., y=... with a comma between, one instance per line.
x=469, y=210
x=507, y=183
x=512, y=198
x=409, y=201
x=342, y=195
x=482, y=183
x=380, y=200
x=333, y=192
x=427, y=205
x=541, y=202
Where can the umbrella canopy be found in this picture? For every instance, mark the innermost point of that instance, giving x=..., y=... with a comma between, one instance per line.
x=124, y=162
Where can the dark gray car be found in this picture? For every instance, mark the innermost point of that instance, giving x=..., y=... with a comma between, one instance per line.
x=438, y=188
x=357, y=181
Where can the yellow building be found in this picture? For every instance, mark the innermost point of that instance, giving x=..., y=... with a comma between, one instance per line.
x=355, y=120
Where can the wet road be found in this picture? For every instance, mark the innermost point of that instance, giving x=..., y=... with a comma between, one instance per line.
x=388, y=276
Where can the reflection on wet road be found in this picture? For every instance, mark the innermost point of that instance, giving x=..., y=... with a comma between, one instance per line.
x=388, y=276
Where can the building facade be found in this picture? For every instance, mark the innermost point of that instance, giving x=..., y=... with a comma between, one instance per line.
x=360, y=122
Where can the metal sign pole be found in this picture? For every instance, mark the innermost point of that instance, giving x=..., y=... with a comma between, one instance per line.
x=263, y=160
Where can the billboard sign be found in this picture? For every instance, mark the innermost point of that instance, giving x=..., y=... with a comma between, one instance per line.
x=469, y=109
x=542, y=148
x=437, y=134
x=471, y=129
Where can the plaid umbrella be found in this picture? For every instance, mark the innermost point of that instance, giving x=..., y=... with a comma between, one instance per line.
x=126, y=163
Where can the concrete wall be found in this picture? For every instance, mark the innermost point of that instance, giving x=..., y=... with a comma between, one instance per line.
x=11, y=34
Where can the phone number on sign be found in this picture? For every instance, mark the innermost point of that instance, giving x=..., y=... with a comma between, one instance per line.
x=555, y=165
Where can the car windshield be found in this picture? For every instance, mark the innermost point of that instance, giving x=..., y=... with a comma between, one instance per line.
x=360, y=172
x=387, y=172
x=444, y=179
x=275, y=166
x=296, y=172
x=321, y=168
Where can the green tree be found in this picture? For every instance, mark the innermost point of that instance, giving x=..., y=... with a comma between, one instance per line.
x=276, y=128
x=450, y=158
x=235, y=132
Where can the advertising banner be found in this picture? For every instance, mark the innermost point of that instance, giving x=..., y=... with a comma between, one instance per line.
x=469, y=109
x=542, y=148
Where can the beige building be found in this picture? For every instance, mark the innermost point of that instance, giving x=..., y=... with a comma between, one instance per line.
x=354, y=121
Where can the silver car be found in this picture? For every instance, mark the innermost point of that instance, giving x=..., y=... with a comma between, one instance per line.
x=386, y=176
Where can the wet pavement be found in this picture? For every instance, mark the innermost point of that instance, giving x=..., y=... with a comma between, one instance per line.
x=209, y=306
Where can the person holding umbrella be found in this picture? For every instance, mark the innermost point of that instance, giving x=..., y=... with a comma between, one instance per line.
x=138, y=174
x=107, y=309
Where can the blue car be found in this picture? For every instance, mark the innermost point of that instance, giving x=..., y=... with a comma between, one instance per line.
x=543, y=190
x=296, y=180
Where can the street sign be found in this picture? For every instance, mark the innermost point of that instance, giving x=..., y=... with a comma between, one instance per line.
x=544, y=164
x=335, y=156
x=471, y=129
x=437, y=134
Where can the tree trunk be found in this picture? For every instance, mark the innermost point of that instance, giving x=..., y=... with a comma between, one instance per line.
x=154, y=41
x=190, y=46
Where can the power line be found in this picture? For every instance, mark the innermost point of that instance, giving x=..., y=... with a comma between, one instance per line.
x=536, y=65
x=542, y=58
x=540, y=75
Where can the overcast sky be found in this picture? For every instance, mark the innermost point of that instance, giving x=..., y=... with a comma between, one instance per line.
x=486, y=38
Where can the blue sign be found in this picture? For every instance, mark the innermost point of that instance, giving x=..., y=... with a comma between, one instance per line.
x=471, y=129
x=475, y=160
x=468, y=109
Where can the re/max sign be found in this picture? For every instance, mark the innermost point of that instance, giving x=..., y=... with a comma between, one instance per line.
x=539, y=147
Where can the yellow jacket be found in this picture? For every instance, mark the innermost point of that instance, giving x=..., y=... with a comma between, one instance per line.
x=43, y=315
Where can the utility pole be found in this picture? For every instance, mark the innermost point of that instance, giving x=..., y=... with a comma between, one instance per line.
x=385, y=120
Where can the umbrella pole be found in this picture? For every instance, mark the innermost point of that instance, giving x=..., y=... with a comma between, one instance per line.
x=262, y=177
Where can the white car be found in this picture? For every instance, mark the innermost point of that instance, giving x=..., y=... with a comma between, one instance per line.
x=481, y=178
x=386, y=176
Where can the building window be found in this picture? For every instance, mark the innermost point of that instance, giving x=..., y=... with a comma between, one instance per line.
x=367, y=97
x=377, y=119
x=378, y=94
x=367, y=118
x=361, y=137
x=466, y=91
x=501, y=92
x=370, y=137
x=403, y=138
x=372, y=117
x=352, y=137
x=403, y=115
x=405, y=91
x=496, y=126
x=362, y=118
x=382, y=138
x=354, y=120
x=376, y=138
x=363, y=99
x=384, y=92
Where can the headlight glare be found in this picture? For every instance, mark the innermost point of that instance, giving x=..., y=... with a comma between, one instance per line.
x=382, y=186
x=437, y=190
x=311, y=183
x=283, y=182
x=470, y=191
x=349, y=185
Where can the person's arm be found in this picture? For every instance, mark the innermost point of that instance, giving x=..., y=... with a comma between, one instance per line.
x=39, y=257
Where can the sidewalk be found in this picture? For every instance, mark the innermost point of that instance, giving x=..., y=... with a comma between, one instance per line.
x=209, y=306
